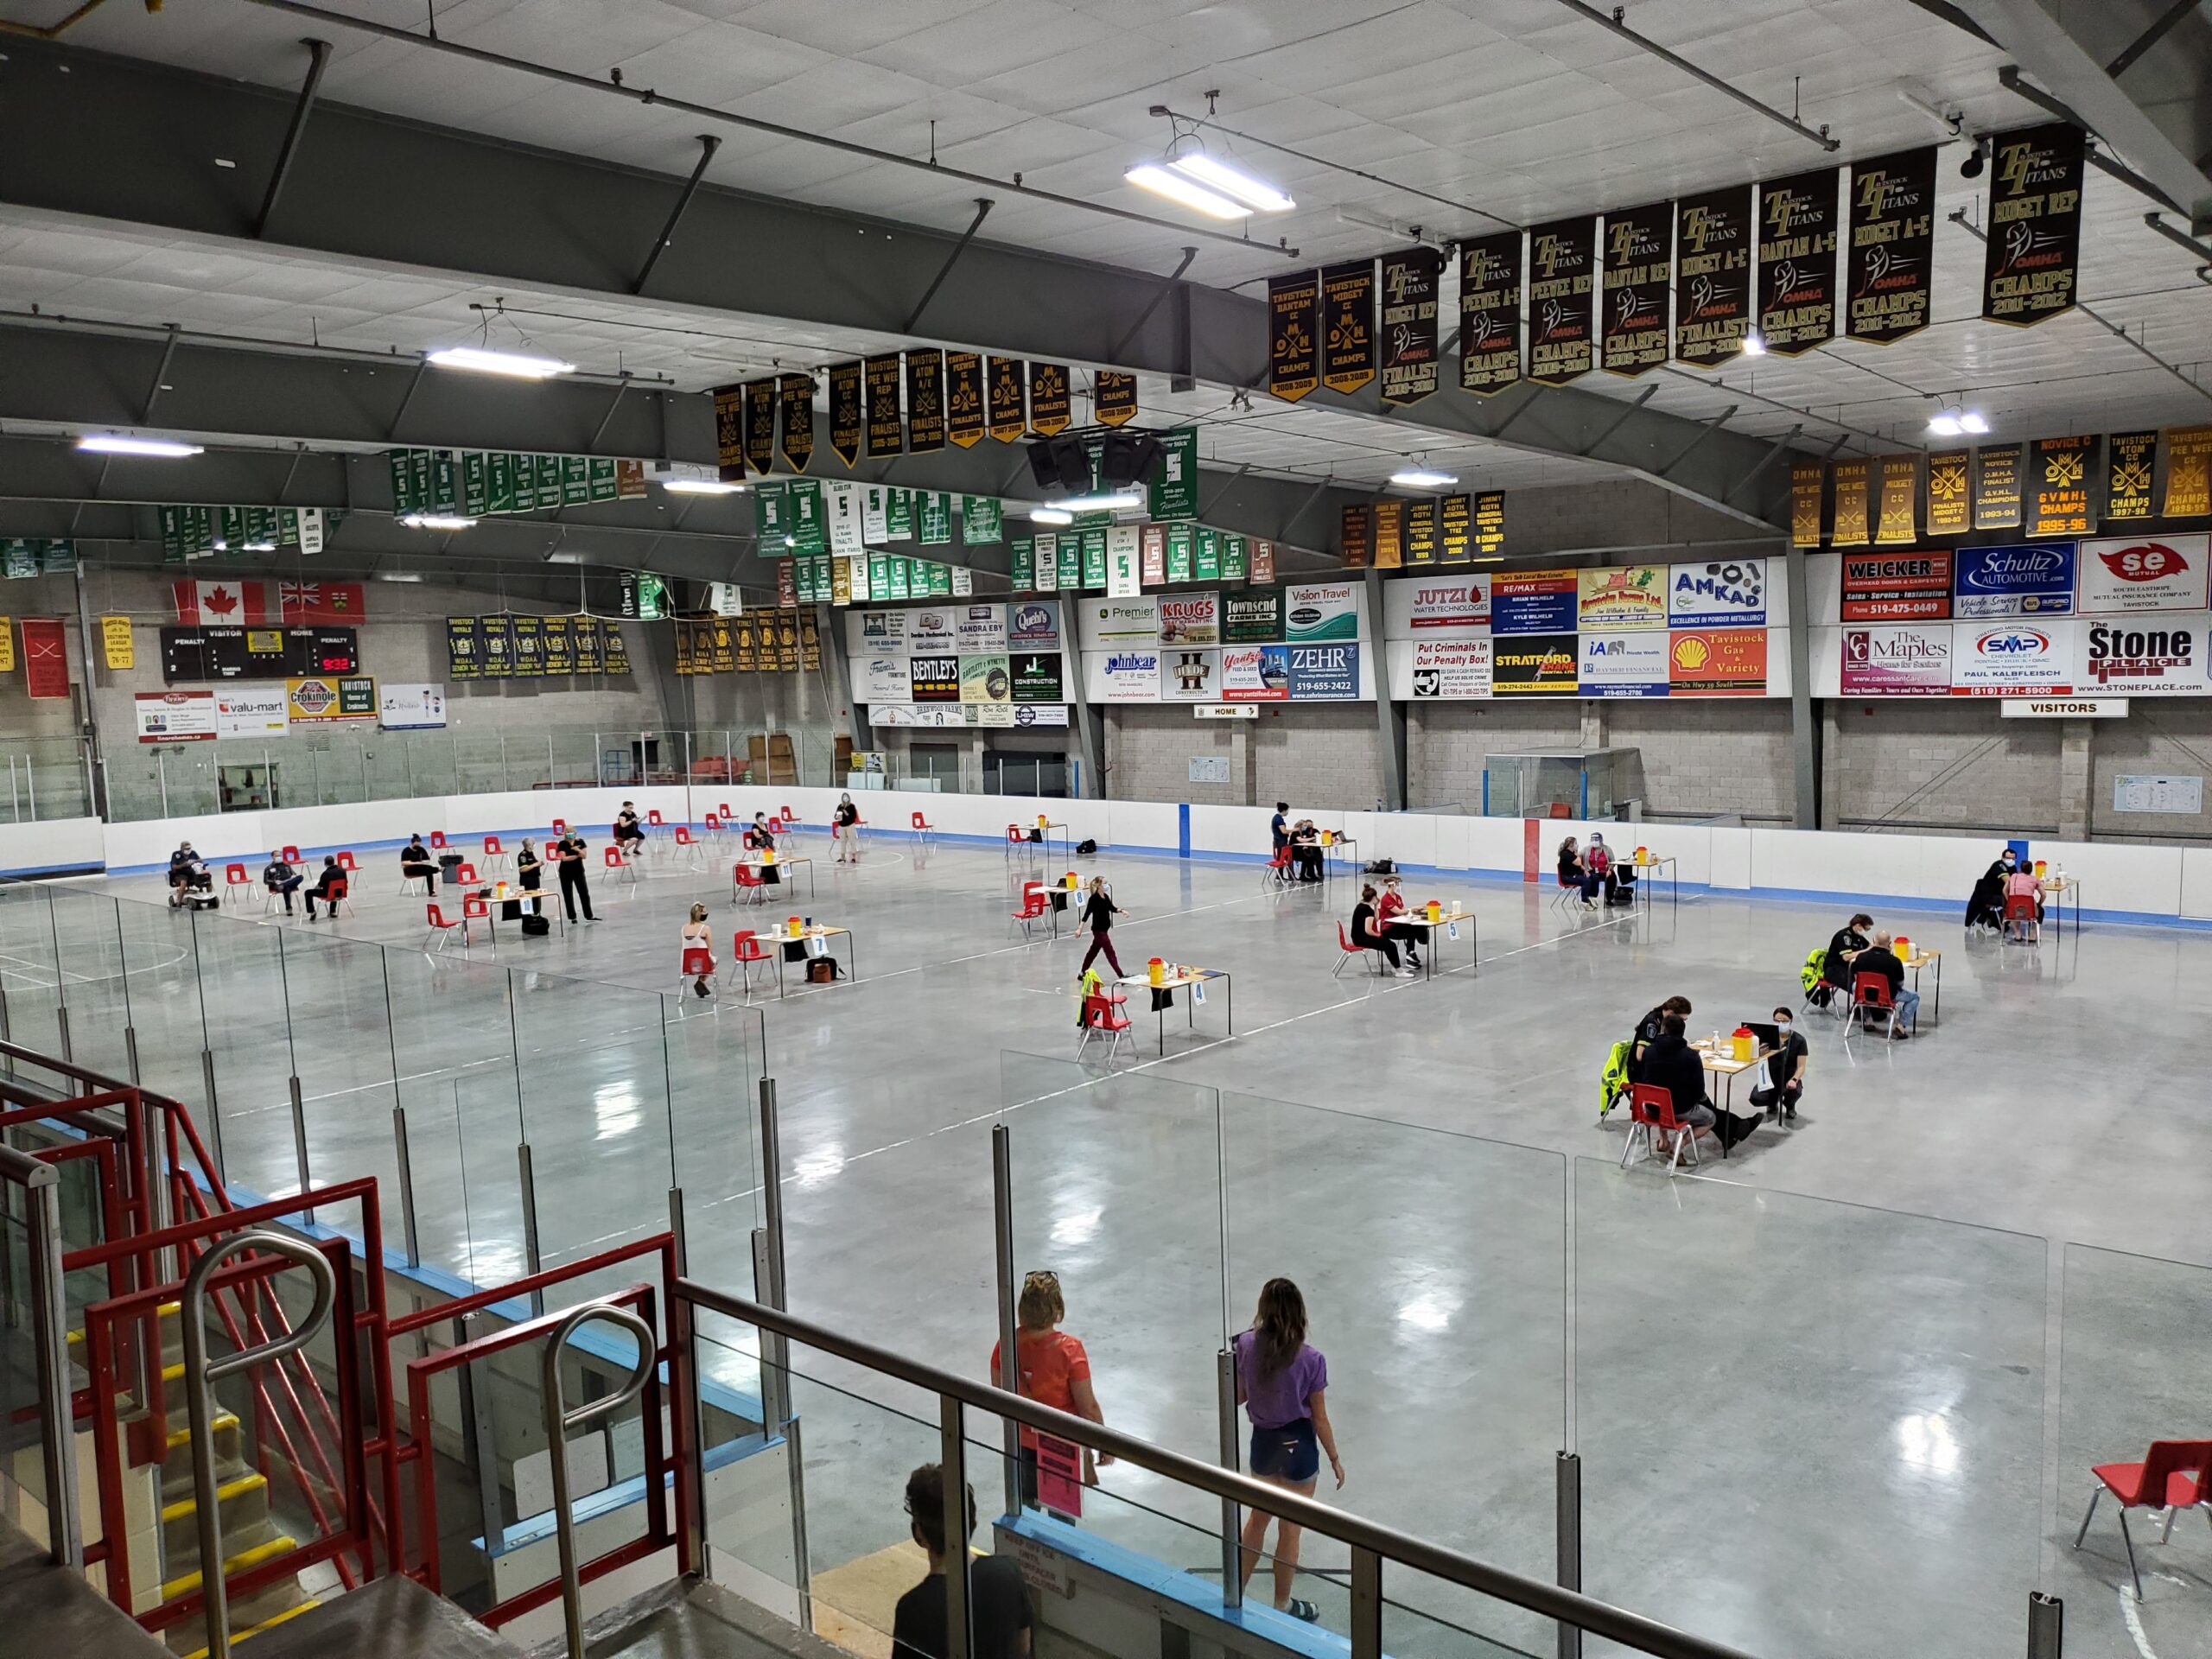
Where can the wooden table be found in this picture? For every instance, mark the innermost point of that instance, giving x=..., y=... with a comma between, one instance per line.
x=1181, y=977
x=2058, y=889
x=793, y=948
x=758, y=867
x=1725, y=1065
x=1446, y=920
x=1334, y=853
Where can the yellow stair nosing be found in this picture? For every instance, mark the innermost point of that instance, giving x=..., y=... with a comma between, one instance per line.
x=162, y=1312
x=247, y=1482
x=266, y=1550
x=182, y=1436
x=271, y=1623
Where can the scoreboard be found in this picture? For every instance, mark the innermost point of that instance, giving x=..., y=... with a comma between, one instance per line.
x=202, y=653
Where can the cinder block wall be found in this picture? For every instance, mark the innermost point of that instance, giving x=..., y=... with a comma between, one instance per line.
x=1911, y=764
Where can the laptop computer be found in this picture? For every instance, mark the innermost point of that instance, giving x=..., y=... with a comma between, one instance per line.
x=1768, y=1035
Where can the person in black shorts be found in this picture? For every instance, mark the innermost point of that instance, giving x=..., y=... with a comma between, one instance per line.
x=999, y=1612
x=1280, y=1380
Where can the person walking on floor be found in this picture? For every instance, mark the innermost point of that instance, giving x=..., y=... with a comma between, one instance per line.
x=569, y=854
x=845, y=826
x=1282, y=1381
x=1099, y=911
x=1053, y=1370
x=697, y=935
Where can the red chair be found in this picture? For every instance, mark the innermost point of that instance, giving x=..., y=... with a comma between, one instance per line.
x=1276, y=872
x=234, y=878
x=2018, y=907
x=690, y=845
x=560, y=828
x=2173, y=1475
x=698, y=964
x=345, y=863
x=787, y=815
x=1018, y=843
x=924, y=828
x=437, y=840
x=341, y=891
x=778, y=827
x=652, y=817
x=1651, y=1114
x=1102, y=1016
x=1870, y=993
x=612, y=860
x=292, y=856
x=714, y=825
x=744, y=949
x=1035, y=908
x=1569, y=893
x=1346, y=950
x=464, y=875
x=443, y=928
x=494, y=855
x=474, y=909
x=747, y=887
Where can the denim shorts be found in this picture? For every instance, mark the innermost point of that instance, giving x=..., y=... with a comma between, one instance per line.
x=1287, y=1452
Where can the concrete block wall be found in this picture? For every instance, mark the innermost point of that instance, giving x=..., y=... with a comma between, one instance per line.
x=1328, y=755
x=1714, y=755
x=1149, y=748
x=1914, y=764
x=2158, y=738
x=1447, y=743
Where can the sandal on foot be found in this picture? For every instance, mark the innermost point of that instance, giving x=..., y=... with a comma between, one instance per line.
x=1304, y=1610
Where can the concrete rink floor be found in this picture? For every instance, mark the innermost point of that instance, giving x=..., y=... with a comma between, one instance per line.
x=1838, y=1393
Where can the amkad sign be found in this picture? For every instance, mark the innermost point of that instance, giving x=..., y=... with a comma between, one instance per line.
x=2134, y=657
x=2144, y=573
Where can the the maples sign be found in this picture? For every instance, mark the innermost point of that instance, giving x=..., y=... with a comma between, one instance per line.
x=234, y=602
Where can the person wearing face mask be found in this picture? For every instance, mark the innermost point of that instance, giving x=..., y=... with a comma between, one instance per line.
x=1785, y=1069
x=1985, y=904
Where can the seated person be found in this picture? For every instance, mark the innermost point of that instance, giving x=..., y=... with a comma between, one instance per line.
x=757, y=836
x=1785, y=1069
x=1671, y=1064
x=1388, y=910
x=1574, y=872
x=1986, y=904
x=1305, y=848
x=1845, y=948
x=1649, y=1031
x=187, y=874
x=282, y=880
x=416, y=861
x=1364, y=935
x=1879, y=958
x=2022, y=884
x=329, y=887
x=629, y=834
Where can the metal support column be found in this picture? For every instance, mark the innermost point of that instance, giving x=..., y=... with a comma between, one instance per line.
x=1009, y=1377
x=1569, y=1470
x=50, y=1343
x=1090, y=739
x=2046, y=1626
x=300, y=1143
x=406, y=1186
x=533, y=1263
x=830, y=629
x=1232, y=1518
x=1804, y=719
x=683, y=1344
x=775, y=1352
x=1389, y=715
x=319, y=52
x=708, y=143
x=952, y=1459
x=89, y=730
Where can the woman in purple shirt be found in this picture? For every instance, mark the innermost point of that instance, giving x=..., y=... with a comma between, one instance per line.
x=1280, y=1380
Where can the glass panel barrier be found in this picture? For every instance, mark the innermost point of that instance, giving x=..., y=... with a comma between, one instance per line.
x=31, y=975
x=88, y=933
x=713, y=1076
x=161, y=981
x=345, y=1054
x=1843, y=1407
x=247, y=1020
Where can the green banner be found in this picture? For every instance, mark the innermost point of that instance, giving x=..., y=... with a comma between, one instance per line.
x=1023, y=551
x=575, y=480
x=933, y=518
x=902, y=576
x=445, y=483
x=1070, y=563
x=1175, y=491
x=1093, y=558
x=772, y=517
x=1205, y=562
x=983, y=520
x=899, y=515
x=1235, y=558
x=879, y=576
x=605, y=484
x=475, y=485
x=809, y=530
x=1180, y=537
x=500, y=488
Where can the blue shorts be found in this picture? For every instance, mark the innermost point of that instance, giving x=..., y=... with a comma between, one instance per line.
x=1288, y=1452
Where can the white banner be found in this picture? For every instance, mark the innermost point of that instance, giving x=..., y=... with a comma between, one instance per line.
x=1121, y=561
x=1624, y=665
x=932, y=628
x=963, y=582
x=980, y=627
x=1190, y=618
x=2144, y=654
x=1034, y=625
x=1110, y=622
x=176, y=716
x=311, y=530
x=1188, y=676
x=1451, y=668
x=875, y=525
x=1133, y=675
x=2143, y=573
x=401, y=707
x=1045, y=565
x=883, y=680
x=1321, y=610
x=1447, y=608
x=1717, y=593
x=1990, y=658
x=843, y=505
x=253, y=711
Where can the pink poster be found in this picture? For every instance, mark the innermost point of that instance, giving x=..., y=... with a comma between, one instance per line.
x=1060, y=1476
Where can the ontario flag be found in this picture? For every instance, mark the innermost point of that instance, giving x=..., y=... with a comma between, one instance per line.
x=320, y=602
x=203, y=603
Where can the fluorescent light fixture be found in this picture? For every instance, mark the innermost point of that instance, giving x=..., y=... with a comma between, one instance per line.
x=485, y=361
x=436, y=521
x=261, y=547
x=398, y=575
x=1970, y=422
x=111, y=444
x=1158, y=179
x=1945, y=425
x=1952, y=421
x=1110, y=501
x=564, y=558
x=1754, y=343
x=1051, y=515
x=1233, y=183
x=1420, y=478
x=700, y=486
x=791, y=541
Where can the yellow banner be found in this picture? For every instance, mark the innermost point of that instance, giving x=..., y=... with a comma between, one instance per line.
x=7, y=645
x=115, y=640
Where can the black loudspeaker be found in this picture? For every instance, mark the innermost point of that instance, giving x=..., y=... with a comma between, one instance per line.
x=1059, y=463
x=1127, y=457
x=1042, y=466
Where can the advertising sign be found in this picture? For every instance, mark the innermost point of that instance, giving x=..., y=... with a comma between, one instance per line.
x=1455, y=608
x=175, y=717
x=1717, y=593
x=1534, y=601
x=1037, y=677
x=2144, y=573
x=1133, y=675
x=1451, y=669
x=1534, y=664
x=1896, y=661
x=2020, y=658
x=883, y=630
x=986, y=678
x=1631, y=665
x=933, y=679
x=933, y=627
x=410, y=708
x=1034, y=625
x=1252, y=618
x=1328, y=673
x=1718, y=663
x=1321, y=610
x=1896, y=586
x=1254, y=674
x=263, y=711
x=2164, y=653
x=884, y=679
x=1624, y=596
x=1188, y=676
x=327, y=697
x=1122, y=621
x=2025, y=579
x=979, y=628
x=1190, y=619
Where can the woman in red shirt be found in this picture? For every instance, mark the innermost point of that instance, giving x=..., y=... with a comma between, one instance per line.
x=1055, y=1370
x=1388, y=909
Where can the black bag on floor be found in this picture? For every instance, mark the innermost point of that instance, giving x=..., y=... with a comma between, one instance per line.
x=1382, y=866
x=534, y=925
x=1086, y=845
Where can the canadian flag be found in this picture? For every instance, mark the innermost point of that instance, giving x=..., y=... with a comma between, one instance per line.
x=219, y=603
x=320, y=602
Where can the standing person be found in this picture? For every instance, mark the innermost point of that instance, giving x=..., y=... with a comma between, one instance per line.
x=569, y=860
x=1364, y=935
x=1388, y=910
x=1785, y=1067
x=281, y=879
x=1986, y=904
x=529, y=868
x=844, y=823
x=329, y=887
x=1282, y=1381
x=1279, y=827
x=416, y=863
x=697, y=935
x=1099, y=911
x=1649, y=1031
x=998, y=1617
x=1054, y=1370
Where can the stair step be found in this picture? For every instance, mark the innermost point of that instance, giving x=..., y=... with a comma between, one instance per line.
x=391, y=1617
x=269, y=1623
x=242, y=1503
x=268, y=1550
x=177, y=1465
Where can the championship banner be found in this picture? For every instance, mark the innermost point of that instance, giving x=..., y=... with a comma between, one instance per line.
x=796, y=442
x=759, y=436
x=721, y=648
x=1639, y=270
x=1807, y=478
x=1561, y=260
x=1048, y=398
x=1797, y=261
x=590, y=652
x=1996, y=488
x=729, y=444
x=530, y=648
x=2129, y=460
x=1421, y=532
x=2189, y=472
x=924, y=401
x=1152, y=556
x=1409, y=343
x=2031, y=261
x=464, y=649
x=1348, y=326
x=1263, y=562
x=1002, y=396
x=2061, y=472
x=844, y=410
x=1893, y=244
x=1851, y=502
x=1490, y=313
x=1713, y=262
x=1900, y=477
x=115, y=643
x=1293, y=341
x=560, y=656
x=982, y=521
x=1113, y=397
x=887, y=432
x=1390, y=532
x=964, y=399
x=1355, y=533
x=1174, y=491
x=497, y=634
x=1490, y=524
x=684, y=651
x=1454, y=521
x=1949, y=513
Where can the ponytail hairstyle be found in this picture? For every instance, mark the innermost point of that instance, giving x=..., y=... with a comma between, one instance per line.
x=1041, y=1305
x=1279, y=1326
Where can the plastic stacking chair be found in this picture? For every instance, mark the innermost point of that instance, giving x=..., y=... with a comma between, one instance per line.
x=716, y=827
x=1102, y=1017
x=292, y=856
x=441, y=927
x=2173, y=1475
x=414, y=886
x=464, y=875
x=1346, y=950
x=611, y=859
x=560, y=828
x=744, y=949
x=341, y=892
x=1275, y=875
x=746, y=885
x=345, y=863
x=495, y=856
x=437, y=840
x=694, y=855
x=235, y=883
x=474, y=909
x=2021, y=909
x=698, y=964
x=1035, y=908
x=1870, y=995
x=925, y=828
x=1569, y=894
x=1652, y=1126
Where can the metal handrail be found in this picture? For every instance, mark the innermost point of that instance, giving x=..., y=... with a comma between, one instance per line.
x=559, y=1421
x=201, y=1374
x=41, y=1183
x=1366, y=1538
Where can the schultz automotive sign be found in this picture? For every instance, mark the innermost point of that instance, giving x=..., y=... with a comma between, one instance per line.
x=2030, y=579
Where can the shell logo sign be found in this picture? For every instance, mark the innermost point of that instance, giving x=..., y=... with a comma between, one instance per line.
x=1692, y=651
x=1717, y=663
